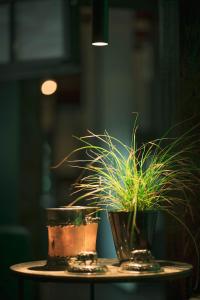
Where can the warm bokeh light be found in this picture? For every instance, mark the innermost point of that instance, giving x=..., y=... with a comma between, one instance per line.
x=48, y=87
x=99, y=44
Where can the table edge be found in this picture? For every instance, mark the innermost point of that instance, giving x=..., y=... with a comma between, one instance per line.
x=87, y=278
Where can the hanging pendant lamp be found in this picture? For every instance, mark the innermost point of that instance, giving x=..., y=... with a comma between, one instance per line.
x=100, y=13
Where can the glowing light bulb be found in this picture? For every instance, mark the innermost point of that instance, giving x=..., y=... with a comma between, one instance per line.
x=49, y=87
x=100, y=44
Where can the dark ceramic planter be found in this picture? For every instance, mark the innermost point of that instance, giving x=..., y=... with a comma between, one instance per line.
x=71, y=231
x=133, y=242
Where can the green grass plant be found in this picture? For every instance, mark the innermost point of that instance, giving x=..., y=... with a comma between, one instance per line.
x=157, y=175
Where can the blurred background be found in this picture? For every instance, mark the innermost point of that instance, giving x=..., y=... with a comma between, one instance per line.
x=151, y=66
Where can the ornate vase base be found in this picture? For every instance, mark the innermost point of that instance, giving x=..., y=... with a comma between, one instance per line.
x=141, y=261
x=85, y=262
x=78, y=268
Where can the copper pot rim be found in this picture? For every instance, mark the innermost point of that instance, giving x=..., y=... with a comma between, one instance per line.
x=72, y=208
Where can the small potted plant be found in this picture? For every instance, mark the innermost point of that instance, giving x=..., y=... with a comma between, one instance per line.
x=133, y=183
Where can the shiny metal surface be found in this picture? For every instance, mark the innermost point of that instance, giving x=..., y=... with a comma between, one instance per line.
x=127, y=236
x=86, y=262
x=71, y=215
x=71, y=230
x=141, y=261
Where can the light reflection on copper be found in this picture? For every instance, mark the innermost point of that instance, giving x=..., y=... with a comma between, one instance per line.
x=70, y=240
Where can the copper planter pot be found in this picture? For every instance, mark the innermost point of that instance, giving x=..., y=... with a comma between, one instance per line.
x=71, y=231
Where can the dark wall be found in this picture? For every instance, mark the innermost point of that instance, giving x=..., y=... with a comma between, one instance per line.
x=10, y=152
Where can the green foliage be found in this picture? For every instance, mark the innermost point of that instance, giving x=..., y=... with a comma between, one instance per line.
x=158, y=175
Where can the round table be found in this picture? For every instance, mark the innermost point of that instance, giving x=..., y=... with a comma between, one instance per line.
x=35, y=270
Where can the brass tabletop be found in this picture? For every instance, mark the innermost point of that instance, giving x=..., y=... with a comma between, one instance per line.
x=35, y=270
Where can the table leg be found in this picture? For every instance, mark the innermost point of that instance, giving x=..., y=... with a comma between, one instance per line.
x=92, y=292
x=189, y=287
x=21, y=289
